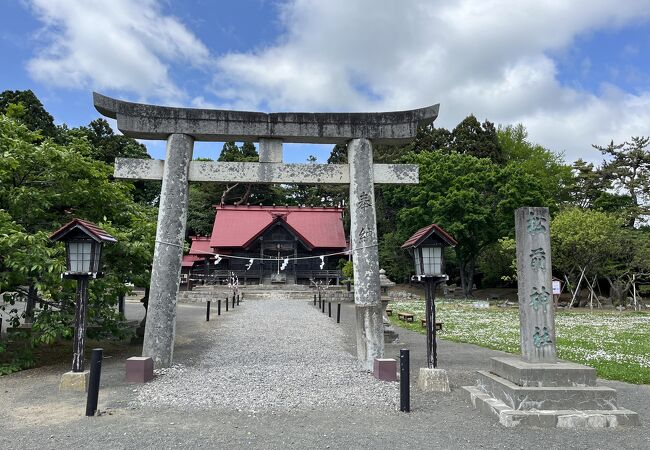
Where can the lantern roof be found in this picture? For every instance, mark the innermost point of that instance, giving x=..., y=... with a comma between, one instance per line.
x=423, y=233
x=90, y=229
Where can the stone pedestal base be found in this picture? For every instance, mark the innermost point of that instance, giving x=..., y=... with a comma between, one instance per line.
x=139, y=369
x=433, y=380
x=548, y=395
x=74, y=381
x=385, y=369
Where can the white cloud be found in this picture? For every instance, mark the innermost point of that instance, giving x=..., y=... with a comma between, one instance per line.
x=487, y=57
x=119, y=44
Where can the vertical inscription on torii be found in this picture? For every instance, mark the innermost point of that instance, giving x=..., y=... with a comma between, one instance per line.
x=534, y=281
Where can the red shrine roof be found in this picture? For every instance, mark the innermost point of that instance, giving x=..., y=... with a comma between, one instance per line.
x=200, y=246
x=239, y=226
x=189, y=260
x=425, y=232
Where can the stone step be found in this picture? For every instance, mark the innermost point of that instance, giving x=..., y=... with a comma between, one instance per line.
x=546, y=398
x=249, y=296
x=568, y=418
x=560, y=374
x=269, y=287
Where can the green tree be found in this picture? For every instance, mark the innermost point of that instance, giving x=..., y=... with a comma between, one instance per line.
x=42, y=186
x=592, y=243
x=629, y=170
x=472, y=198
x=552, y=174
x=105, y=146
x=32, y=113
x=429, y=138
x=476, y=139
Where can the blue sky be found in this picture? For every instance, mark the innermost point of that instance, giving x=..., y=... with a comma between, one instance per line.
x=574, y=73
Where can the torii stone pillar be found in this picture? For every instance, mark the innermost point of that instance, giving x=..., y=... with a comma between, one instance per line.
x=182, y=126
x=170, y=236
x=363, y=238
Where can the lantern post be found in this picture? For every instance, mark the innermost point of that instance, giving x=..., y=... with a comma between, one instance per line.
x=426, y=248
x=83, y=243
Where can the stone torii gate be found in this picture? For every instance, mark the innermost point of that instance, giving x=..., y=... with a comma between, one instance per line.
x=180, y=127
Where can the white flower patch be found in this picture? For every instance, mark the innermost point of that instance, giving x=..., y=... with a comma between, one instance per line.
x=584, y=337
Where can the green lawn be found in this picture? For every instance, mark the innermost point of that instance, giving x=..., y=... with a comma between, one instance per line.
x=616, y=344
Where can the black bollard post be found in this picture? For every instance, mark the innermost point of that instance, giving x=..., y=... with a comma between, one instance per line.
x=233, y=301
x=338, y=313
x=237, y=299
x=226, y=304
x=93, y=384
x=314, y=299
x=219, y=307
x=319, y=300
x=329, y=309
x=207, y=312
x=323, y=306
x=404, y=383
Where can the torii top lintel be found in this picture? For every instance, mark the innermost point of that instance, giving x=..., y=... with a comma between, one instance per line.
x=143, y=121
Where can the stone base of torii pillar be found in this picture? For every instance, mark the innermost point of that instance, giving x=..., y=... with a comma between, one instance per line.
x=537, y=389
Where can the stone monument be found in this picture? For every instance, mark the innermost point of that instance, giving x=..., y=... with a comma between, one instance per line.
x=537, y=389
x=181, y=127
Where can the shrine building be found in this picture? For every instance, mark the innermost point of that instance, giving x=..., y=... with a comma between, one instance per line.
x=269, y=234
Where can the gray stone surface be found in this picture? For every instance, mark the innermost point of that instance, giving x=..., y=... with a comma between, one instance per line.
x=547, y=398
x=363, y=240
x=270, y=150
x=560, y=394
x=74, y=381
x=560, y=374
x=569, y=418
x=369, y=333
x=433, y=380
x=534, y=285
x=225, y=172
x=157, y=122
x=168, y=252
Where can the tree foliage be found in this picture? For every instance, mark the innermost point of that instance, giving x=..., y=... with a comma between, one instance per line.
x=43, y=185
x=476, y=139
x=472, y=198
x=28, y=109
x=628, y=168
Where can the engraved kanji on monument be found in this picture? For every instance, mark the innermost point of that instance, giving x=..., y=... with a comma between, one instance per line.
x=534, y=280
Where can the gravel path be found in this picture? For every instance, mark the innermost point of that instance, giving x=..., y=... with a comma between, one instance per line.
x=164, y=414
x=275, y=355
